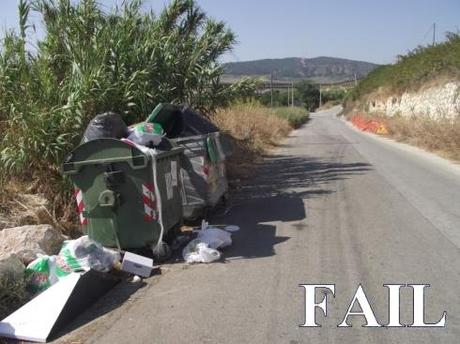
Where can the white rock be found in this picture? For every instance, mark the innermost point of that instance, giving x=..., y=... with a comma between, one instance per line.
x=436, y=102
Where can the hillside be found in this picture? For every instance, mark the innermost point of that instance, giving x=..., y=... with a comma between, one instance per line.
x=323, y=69
x=416, y=99
x=411, y=71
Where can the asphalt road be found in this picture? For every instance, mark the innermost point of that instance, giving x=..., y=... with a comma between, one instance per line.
x=331, y=205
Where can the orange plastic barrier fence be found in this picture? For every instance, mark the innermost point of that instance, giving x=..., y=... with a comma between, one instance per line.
x=370, y=125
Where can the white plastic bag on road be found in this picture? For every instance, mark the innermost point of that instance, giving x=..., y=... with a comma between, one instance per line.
x=197, y=251
x=215, y=237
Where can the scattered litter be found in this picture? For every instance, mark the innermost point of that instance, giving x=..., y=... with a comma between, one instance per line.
x=215, y=237
x=77, y=255
x=232, y=228
x=197, y=251
x=136, y=279
x=203, y=249
x=204, y=224
x=137, y=265
x=84, y=254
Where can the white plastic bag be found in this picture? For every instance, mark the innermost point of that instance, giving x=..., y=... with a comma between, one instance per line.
x=215, y=237
x=83, y=254
x=197, y=251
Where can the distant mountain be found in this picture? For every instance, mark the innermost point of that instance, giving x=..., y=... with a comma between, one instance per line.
x=320, y=69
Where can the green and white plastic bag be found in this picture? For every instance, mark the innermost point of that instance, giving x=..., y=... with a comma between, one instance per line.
x=146, y=134
x=77, y=255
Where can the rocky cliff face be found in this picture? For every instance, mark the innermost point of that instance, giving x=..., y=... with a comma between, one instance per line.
x=436, y=102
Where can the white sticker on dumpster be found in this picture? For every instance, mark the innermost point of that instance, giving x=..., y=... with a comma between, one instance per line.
x=174, y=172
x=169, y=187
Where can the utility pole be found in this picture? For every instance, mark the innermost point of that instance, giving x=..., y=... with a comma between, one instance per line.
x=292, y=94
x=356, y=81
x=320, y=96
x=288, y=95
x=434, y=33
x=271, y=89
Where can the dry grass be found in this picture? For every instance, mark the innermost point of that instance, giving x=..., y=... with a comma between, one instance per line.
x=22, y=203
x=252, y=128
x=439, y=136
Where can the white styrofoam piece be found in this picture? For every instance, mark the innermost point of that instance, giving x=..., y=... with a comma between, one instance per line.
x=35, y=320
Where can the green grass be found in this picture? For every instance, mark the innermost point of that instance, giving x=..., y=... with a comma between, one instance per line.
x=412, y=70
x=296, y=116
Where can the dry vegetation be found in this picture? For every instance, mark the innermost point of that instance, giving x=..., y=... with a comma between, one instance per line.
x=253, y=128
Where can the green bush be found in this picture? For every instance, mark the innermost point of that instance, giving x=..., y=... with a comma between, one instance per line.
x=308, y=94
x=411, y=70
x=296, y=116
x=90, y=61
x=334, y=95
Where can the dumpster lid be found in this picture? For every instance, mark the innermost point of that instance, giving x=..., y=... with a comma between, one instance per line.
x=104, y=151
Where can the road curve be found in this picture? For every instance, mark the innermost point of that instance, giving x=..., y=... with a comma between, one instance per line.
x=330, y=205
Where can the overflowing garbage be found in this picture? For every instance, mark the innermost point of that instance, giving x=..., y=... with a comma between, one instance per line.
x=146, y=134
x=106, y=125
x=134, y=186
x=151, y=176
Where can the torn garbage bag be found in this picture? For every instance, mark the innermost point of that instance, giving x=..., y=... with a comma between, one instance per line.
x=215, y=237
x=203, y=249
x=77, y=255
x=197, y=251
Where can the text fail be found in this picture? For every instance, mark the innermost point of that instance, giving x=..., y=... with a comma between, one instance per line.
x=361, y=301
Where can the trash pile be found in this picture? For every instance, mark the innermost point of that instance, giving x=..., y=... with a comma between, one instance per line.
x=134, y=186
x=80, y=255
x=203, y=249
x=152, y=176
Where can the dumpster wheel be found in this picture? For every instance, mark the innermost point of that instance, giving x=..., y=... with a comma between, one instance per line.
x=161, y=251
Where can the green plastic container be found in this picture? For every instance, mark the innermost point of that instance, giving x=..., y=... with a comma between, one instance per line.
x=126, y=197
x=203, y=174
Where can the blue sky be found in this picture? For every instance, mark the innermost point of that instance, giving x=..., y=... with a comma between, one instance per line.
x=374, y=31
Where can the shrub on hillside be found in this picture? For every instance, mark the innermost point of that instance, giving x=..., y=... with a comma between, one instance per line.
x=415, y=68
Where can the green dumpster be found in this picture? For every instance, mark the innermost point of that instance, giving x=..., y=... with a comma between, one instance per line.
x=128, y=196
x=203, y=174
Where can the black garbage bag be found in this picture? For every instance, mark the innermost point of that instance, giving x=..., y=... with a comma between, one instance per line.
x=180, y=122
x=196, y=124
x=105, y=125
